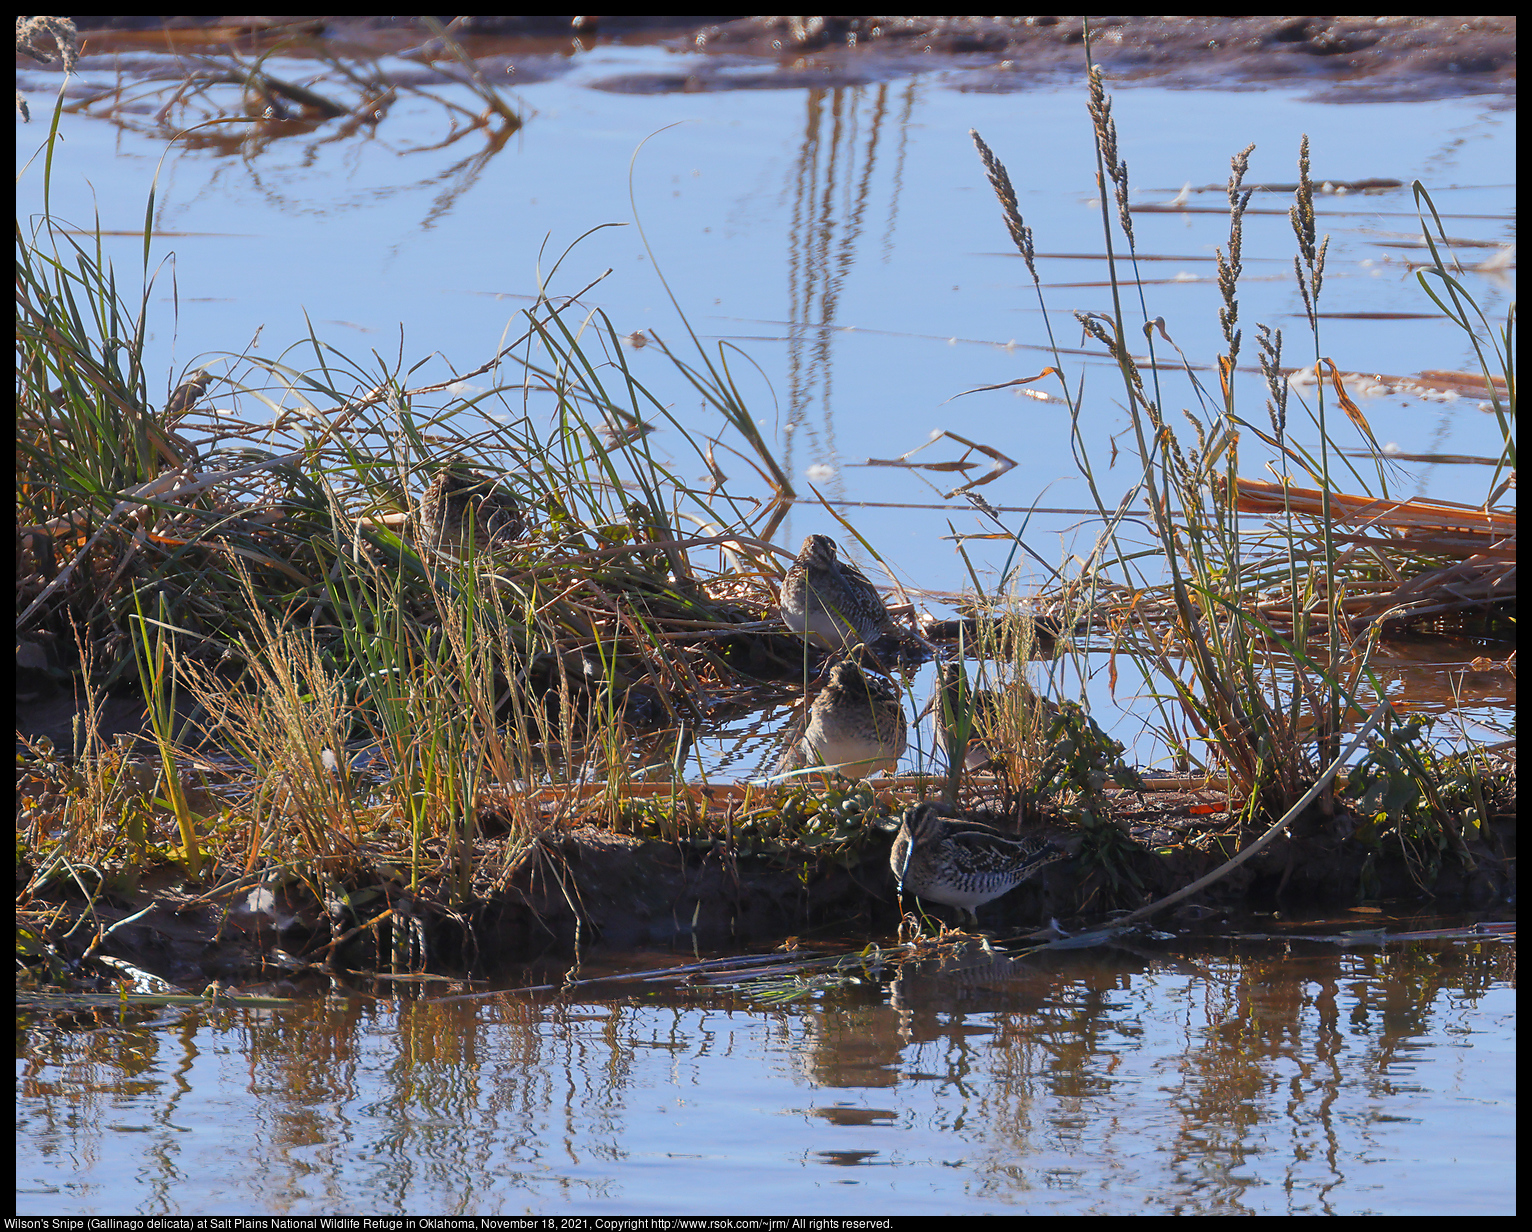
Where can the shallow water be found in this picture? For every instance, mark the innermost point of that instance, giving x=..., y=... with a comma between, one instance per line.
x=1215, y=1077
x=845, y=240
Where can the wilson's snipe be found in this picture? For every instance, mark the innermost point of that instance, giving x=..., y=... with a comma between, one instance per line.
x=461, y=505
x=829, y=600
x=989, y=716
x=961, y=863
x=855, y=727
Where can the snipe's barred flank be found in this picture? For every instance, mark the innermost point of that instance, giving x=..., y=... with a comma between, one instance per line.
x=961, y=863
x=829, y=600
x=856, y=726
x=461, y=505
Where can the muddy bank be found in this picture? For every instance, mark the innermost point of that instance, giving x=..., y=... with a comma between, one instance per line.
x=587, y=888
x=628, y=894
x=1400, y=56
x=1178, y=50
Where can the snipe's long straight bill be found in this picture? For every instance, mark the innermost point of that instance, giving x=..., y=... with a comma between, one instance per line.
x=959, y=862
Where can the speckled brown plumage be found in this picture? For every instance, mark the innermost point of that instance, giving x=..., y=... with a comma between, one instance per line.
x=855, y=727
x=829, y=600
x=461, y=504
x=961, y=863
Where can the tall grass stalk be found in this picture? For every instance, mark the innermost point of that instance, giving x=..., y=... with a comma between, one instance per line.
x=1216, y=667
x=157, y=677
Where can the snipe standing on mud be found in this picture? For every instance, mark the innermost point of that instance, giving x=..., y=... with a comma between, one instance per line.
x=961, y=863
x=855, y=727
x=829, y=600
x=990, y=715
x=460, y=505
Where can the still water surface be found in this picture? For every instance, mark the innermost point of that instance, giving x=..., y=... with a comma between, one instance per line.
x=845, y=250
x=846, y=241
x=1231, y=1078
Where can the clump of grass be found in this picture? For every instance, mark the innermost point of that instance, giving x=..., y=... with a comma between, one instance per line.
x=1266, y=696
x=280, y=574
x=1048, y=755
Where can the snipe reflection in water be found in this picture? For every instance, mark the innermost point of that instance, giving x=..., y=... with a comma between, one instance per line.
x=973, y=1087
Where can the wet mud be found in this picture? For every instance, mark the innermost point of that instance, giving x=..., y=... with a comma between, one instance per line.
x=1362, y=56
x=585, y=889
x=582, y=886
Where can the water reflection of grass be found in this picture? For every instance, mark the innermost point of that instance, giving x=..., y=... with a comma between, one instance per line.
x=283, y=578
